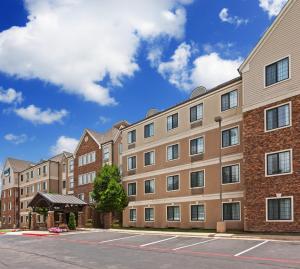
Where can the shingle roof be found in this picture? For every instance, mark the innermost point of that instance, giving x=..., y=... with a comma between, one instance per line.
x=58, y=199
x=19, y=165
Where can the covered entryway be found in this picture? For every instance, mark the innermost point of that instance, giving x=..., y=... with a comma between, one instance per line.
x=56, y=208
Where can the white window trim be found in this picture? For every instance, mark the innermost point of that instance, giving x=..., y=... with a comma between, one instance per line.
x=281, y=197
x=170, y=115
x=136, y=214
x=154, y=186
x=178, y=182
x=201, y=119
x=239, y=136
x=233, y=202
x=270, y=108
x=194, y=138
x=279, y=151
x=148, y=165
x=130, y=143
x=178, y=152
x=190, y=179
x=145, y=214
x=148, y=137
x=238, y=100
x=136, y=188
x=176, y=221
x=190, y=212
x=227, y=165
x=135, y=163
x=273, y=62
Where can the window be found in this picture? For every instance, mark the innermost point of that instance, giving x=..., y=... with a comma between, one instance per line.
x=149, y=130
x=64, y=184
x=91, y=199
x=31, y=174
x=39, y=171
x=229, y=100
x=120, y=148
x=149, y=214
x=196, y=113
x=277, y=72
x=172, y=183
x=132, y=163
x=27, y=175
x=44, y=170
x=81, y=196
x=197, y=213
x=230, y=137
x=149, y=186
x=196, y=146
x=131, y=189
x=44, y=185
x=87, y=158
x=38, y=186
x=231, y=211
x=172, y=152
x=149, y=158
x=132, y=214
x=278, y=117
x=197, y=179
x=172, y=122
x=173, y=213
x=279, y=209
x=86, y=178
x=21, y=178
x=106, y=154
x=71, y=165
x=230, y=174
x=71, y=183
x=22, y=205
x=279, y=163
x=132, y=137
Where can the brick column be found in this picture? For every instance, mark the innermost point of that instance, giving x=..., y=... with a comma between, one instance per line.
x=33, y=224
x=80, y=221
x=50, y=219
x=107, y=219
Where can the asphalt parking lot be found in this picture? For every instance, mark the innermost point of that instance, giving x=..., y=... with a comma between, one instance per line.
x=111, y=250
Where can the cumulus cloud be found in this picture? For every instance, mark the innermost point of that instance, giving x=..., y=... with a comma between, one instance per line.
x=87, y=47
x=16, y=139
x=38, y=116
x=103, y=119
x=10, y=96
x=272, y=7
x=64, y=143
x=187, y=71
x=225, y=17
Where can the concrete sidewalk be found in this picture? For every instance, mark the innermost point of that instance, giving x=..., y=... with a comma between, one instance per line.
x=248, y=236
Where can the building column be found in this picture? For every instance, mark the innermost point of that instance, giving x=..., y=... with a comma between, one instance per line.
x=80, y=220
x=33, y=224
x=50, y=219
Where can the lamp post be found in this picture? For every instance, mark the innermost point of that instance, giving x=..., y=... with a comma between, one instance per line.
x=221, y=225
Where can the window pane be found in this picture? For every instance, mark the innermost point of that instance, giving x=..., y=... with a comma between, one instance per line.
x=283, y=116
x=233, y=99
x=197, y=179
x=285, y=209
x=225, y=139
x=283, y=69
x=225, y=102
x=271, y=76
x=231, y=211
x=234, y=136
x=284, y=162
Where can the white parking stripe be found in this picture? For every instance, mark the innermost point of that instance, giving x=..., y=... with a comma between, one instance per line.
x=120, y=238
x=256, y=246
x=195, y=244
x=155, y=242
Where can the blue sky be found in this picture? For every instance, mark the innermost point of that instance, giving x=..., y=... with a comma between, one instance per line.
x=68, y=65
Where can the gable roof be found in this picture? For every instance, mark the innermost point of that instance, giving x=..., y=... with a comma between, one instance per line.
x=19, y=165
x=267, y=33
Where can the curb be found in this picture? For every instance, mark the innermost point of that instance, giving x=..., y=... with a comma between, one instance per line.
x=40, y=235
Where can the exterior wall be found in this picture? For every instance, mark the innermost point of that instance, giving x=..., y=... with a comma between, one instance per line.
x=185, y=164
x=9, y=216
x=283, y=41
x=257, y=143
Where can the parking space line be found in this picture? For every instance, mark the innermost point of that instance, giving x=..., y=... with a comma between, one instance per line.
x=120, y=238
x=155, y=242
x=249, y=249
x=195, y=244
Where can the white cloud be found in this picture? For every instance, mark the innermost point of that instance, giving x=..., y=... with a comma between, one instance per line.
x=10, y=96
x=207, y=70
x=225, y=17
x=272, y=7
x=64, y=143
x=38, y=116
x=87, y=47
x=103, y=119
x=16, y=139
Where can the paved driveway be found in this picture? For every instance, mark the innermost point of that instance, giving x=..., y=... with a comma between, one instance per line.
x=110, y=250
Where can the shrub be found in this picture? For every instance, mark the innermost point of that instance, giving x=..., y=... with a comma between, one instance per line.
x=72, y=221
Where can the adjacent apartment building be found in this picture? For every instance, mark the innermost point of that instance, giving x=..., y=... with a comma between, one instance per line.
x=172, y=169
x=93, y=151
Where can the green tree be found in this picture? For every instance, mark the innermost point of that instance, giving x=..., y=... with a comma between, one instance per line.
x=108, y=193
x=72, y=221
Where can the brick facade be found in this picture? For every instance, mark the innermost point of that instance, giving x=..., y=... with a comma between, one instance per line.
x=257, y=142
x=9, y=216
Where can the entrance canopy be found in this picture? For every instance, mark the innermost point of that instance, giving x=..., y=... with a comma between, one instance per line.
x=56, y=202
